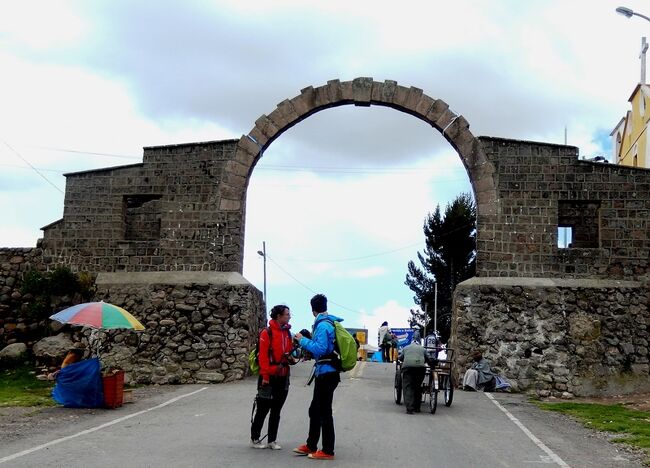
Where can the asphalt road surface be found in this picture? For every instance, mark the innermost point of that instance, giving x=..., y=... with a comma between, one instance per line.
x=208, y=426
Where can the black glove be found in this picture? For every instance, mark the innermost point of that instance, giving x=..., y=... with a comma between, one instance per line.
x=306, y=333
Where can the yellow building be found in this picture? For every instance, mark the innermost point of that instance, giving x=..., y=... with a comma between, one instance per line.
x=630, y=136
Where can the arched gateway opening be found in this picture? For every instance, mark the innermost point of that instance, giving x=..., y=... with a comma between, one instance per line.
x=166, y=238
x=359, y=92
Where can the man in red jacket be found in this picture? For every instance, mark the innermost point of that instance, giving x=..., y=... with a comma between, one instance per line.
x=273, y=382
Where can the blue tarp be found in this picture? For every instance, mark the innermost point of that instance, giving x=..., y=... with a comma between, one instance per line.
x=80, y=385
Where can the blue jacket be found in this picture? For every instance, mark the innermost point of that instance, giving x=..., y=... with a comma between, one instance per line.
x=322, y=342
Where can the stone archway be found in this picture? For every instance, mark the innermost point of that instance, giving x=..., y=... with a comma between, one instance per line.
x=359, y=92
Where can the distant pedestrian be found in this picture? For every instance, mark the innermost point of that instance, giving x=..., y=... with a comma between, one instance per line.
x=413, y=370
x=384, y=339
x=273, y=382
x=327, y=378
x=394, y=343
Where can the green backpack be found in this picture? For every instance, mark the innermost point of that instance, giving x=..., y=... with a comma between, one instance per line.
x=345, y=348
x=254, y=355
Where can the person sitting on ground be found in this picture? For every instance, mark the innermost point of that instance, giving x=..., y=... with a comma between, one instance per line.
x=79, y=382
x=413, y=370
x=479, y=376
x=74, y=355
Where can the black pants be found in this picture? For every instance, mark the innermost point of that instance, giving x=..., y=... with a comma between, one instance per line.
x=385, y=353
x=279, y=391
x=412, y=378
x=320, y=412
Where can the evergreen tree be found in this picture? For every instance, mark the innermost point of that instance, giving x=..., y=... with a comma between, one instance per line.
x=449, y=258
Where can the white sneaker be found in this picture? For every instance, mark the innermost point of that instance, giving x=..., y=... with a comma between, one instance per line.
x=274, y=446
x=258, y=444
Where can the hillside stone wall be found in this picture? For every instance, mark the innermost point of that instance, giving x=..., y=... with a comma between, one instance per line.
x=15, y=323
x=562, y=338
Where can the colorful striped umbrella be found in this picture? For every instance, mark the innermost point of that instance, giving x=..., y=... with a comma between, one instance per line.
x=100, y=315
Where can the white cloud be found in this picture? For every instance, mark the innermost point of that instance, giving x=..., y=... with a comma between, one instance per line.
x=392, y=312
x=365, y=272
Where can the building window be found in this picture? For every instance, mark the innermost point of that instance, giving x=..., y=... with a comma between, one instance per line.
x=564, y=236
x=142, y=217
x=578, y=224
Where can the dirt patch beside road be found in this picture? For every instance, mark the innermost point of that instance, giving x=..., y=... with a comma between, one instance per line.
x=23, y=422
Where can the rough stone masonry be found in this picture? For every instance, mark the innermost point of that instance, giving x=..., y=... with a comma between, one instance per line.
x=183, y=209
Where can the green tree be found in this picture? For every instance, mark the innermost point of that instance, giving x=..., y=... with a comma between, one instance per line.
x=449, y=258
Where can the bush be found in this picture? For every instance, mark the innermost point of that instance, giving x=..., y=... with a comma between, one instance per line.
x=59, y=282
x=63, y=282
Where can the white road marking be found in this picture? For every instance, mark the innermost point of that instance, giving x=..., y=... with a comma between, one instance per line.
x=97, y=428
x=530, y=435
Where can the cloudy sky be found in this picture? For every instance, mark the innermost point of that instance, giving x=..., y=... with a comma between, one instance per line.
x=340, y=198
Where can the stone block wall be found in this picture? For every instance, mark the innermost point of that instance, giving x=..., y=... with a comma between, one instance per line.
x=183, y=209
x=161, y=215
x=560, y=338
x=542, y=186
x=15, y=324
x=199, y=326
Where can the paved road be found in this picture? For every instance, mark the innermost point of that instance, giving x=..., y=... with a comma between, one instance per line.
x=210, y=428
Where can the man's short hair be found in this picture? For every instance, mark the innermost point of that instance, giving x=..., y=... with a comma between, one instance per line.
x=319, y=303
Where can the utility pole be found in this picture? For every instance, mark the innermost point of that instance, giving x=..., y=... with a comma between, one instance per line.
x=425, y=320
x=435, y=309
x=644, y=49
x=262, y=253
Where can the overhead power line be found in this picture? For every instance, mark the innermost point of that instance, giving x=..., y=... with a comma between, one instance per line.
x=269, y=167
x=351, y=259
x=308, y=288
x=30, y=165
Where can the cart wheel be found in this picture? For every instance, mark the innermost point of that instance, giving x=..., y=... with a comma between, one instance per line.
x=447, y=386
x=433, y=397
x=398, y=388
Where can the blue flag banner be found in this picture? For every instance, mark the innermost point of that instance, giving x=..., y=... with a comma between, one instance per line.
x=404, y=336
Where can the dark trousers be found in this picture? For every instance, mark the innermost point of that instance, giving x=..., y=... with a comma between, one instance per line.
x=412, y=378
x=385, y=353
x=320, y=412
x=279, y=391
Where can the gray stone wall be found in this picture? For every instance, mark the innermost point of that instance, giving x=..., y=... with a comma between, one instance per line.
x=557, y=337
x=541, y=186
x=161, y=215
x=199, y=326
x=15, y=324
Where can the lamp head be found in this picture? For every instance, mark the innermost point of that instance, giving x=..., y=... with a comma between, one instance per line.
x=627, y=12
x=259, y=252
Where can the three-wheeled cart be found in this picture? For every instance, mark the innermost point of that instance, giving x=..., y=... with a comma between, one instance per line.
x=437, y=378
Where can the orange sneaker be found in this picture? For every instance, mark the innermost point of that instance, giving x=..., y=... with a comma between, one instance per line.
x=320, y=455
x=303, y=450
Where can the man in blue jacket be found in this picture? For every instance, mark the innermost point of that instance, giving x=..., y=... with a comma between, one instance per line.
x=327, y=378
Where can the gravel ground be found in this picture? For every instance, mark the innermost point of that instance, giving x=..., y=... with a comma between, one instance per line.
x=21, y=422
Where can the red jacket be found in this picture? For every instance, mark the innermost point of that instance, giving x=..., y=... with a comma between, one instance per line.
x=278, y=365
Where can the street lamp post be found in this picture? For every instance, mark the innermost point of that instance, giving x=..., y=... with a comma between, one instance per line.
x=263, y=255
x=629, y=13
